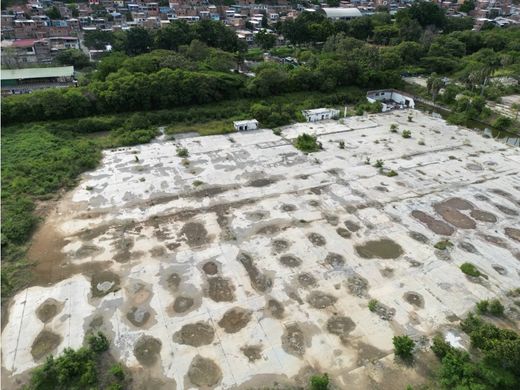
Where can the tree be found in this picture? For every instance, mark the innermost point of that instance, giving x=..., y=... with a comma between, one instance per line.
x=409, y=29
x=73, y=57
x=265, y=40
x=383, y=35
x=265, y=21
x=98, y=39
x=138, y=41
x=502, y=123
x=53, y=13
x=467, y=6
x=434, y=85
x=173, y=35
x=426, y=13
x=403, y=346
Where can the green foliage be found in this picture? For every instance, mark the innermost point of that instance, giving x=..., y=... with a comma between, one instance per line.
x=471, y=270
x=265, y=40
x=393, y=128
x=403, y=346
x=319, y=382
x=483, y=307
x=118, y=371
x=496, y=308
x=443, y=245
x=98, y=342
x=182, y=152
x=379, y=164
x=307, y=143
x=391, y=173
x=440, y=347
x=342, y=144
x=74, y=57
x=372, y=305
x=406, y=134
x=502, y=123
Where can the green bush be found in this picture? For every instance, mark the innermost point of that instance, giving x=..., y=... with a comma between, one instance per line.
x=372, y=305
x=496, y=308
x=403, y=346
x=319, y=382
x=393, y=128
x=483, y=307
x=470, y=269
x=443, y=245
x=118, y=371
x=440, y=347
x=98, y=342
x=406, y=134
x=391, y=173
x=306, y=143
x=182, y=152
x=502, y=123
x=379, y=164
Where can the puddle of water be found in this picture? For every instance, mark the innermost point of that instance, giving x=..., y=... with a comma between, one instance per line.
x=381, y=249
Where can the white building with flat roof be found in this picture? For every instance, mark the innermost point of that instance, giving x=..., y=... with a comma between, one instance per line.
x=250, y=124
x=320, y=114
x=391, y=99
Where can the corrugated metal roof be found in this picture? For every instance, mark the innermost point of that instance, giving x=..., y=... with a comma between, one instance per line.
x=342, y=12
x=34, y=73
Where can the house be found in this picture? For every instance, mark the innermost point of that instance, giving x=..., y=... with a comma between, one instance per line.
x=320, y=114
x=342, y=13
x=251, y=124
x=391, y=99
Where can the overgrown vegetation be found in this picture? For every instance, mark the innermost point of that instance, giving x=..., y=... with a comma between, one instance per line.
x=307, y=143
x=494, y=365
x=493, y=307
x=443, y=245
x=319, y=382
x=84, y=368
x=403, y=346
x=471, y=270
x=372, y=305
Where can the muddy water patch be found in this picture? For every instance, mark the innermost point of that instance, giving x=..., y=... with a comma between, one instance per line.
x=220, y=289
x=259, y=281
x=316, y=239
x=483, y=216
x=293, y=340
x=305, y=279
x=341, y=327
x=335, y=260
x=290, y=261
x=204, y=372
x=381, y=249
x=252, y=352
x=197, y=334
x=45, y=343
x=321, y=300
x=414, y=299
x=195, y=234
x=147, y=350
x=435, y=225
x=103, y=283
x=235, y=319
x=48, y=310
x=512, y=233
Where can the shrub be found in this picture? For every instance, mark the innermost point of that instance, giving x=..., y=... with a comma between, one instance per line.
x=98, y=342
x=277, y=132
x=470, y=269
x=496, y=308
x=403, y=346
x=117, y=371
x=182, y=152
x=379, y=164
x=372, y=305
x=483, y=307
x=502, y=123
x=319, y=382
x=367, y=161
x=197, y=183
x=391, y=173
x=393, y=128
x=406, y=134
x=342, y=144
x=306, y=143
x=440, y=347
x=410, y=118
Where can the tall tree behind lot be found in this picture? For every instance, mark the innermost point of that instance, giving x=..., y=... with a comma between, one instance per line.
x=426, y=13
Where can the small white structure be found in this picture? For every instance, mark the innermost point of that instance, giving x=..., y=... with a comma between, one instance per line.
x=251, y=124
x=342, y=13
x=391, y=99
x=320, y=114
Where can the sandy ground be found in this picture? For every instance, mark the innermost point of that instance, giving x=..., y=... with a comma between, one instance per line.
x=249, y=263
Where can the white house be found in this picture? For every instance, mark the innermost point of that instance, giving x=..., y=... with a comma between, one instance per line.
x=320, y=114
x=251, y=124
x=391, y=99
x=342, y=13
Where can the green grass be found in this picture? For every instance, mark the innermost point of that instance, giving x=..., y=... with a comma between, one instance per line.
x=204, y=128
x=443, y=245
x=372, y=305
x=471, y=270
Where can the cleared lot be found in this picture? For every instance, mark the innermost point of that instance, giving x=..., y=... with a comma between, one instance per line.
x=249, y=262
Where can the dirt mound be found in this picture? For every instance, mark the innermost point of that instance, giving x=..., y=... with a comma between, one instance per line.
x=274, y=308
x=321, y=300
x=334, y=260
x=290, y=261
x=260, y=282
x=340, y=326
x=235, y=319
x=293, y=340
x=103, y=283
x=195, y=234
x=455, y=217
x=210, y=268
x=221, y=289
x=483, y=216
x=204, y=372
x=196, y=335
x=306, y=279
x=147, y=350
x=182, y=304
x=252, y=352
x=436, y=226
x=316, y=239
x=414, y=299
x=44, y=344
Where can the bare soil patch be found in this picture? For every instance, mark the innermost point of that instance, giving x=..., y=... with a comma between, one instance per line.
x=419, y=237
x=293, y=340
x=259, y=281
x=147, y=350
x=343, y=232
x=252, y=352
x=414, y=299
x=352, y=226
x=280, y=245
x=103, y=283
x=182, y=304
x=316, y=239
x=483, y=216
x=381, y=249
x=357, y=285
x=210, y=268
x=261, y=182
x=138, y=316
x=290, y=261
x=512, y=233
x=335, y=260
x=44, y=344
x=220, y=289
x=306, y=279
x=506, y=210
x=195, y=234
x=455, y=217
x=341, y=327
x=48, y=310
x=204, y=372
x=321, y=300
x=275, y=308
